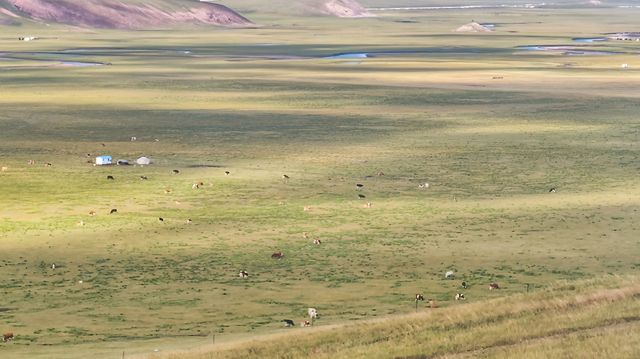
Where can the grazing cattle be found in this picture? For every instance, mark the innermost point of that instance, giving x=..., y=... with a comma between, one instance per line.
x=313, y=313
x=493, y=286
x=243, y=274
x=81, y=223
x=31, y=162
x=423, y=185
x=5, y=169
x=134, y=138
x=367, y=205
x=305, y=235
x=464, y=285
x=419, y=297
x=7, y=336
x=305, y=323
x=175, y=172
x=195, y=186
x=317, y=242
x=103, y=145
x=144, y=178
x=380, y=174
x=189, y=221
x=110, y=177
x=113, y=210
x=288, y=322
x=359, y=186
x=285, y=177
x=48, y=164
x=306, y=208
x=226, y=173
x=92, y=213
x=277, y=255
x=433, y=304
x=460, y=296
x=160, y=219
x=361, y=196
x=449, y=274
x=552, y=190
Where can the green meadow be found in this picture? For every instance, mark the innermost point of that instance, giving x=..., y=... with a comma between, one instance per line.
x=490, y=127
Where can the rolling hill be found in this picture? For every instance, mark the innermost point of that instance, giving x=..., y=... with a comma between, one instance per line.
x=125, y=14
x=337, y=8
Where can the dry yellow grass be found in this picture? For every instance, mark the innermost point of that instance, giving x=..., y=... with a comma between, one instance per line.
x=587, y=319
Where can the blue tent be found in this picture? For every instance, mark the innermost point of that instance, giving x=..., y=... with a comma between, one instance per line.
x=103, y=160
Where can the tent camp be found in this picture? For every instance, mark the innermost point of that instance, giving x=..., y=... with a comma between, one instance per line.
x=103, y=160
x=143, y=161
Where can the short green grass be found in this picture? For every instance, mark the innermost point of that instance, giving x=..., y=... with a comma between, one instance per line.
x=490, y=150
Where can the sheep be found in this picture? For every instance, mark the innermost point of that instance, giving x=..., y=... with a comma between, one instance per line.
x=81, y=223
x=195, y=186
x=243, y=274
x=189, y=221
x=449, y=274
x=226, y=173
x=493, y=286
x=31, y=162
x=92, y=213
x=134, y=138
x=419, y=297
x=288, y=322
x=380, y=174
x=460, y=296
x=168, y=190
x=317, y=242
x=305, y=235
x=552, y=190
x=313, y=313
x=144, y=178
x=48, y=164
x=367, y=205
x=306, y=208
x=305, y=323
x=5, y=169
x=423, y=185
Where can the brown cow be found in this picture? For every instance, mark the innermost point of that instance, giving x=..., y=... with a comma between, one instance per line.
x=7, y=336
x=493, y=286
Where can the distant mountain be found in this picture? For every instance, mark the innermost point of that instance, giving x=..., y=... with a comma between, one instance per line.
x=339, y=8
x=123, y=14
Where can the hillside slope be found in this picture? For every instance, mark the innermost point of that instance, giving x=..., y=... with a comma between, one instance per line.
x=125, y=14
x=582, y=320
x=337, y=8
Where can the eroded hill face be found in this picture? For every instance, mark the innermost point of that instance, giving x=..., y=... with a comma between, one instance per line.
x=126, y=14
x=344, y=8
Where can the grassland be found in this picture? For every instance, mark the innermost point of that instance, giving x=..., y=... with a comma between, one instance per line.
x=261, y=103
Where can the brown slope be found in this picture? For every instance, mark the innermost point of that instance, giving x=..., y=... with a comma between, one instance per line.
x=123, y=15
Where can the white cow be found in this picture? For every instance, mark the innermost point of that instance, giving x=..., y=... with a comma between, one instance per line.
x=313, y=313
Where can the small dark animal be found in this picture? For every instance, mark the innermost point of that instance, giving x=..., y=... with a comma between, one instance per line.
x=361, y=196
x=113, y=211
x=144, y=178
x=160, y=219
x=419, y=297
x=464, y=285
x=48, y=164
x=288, y=322
x=552, y=190
x=226, y=173
x=243, y=274
x=7, y=336
x=110, y=177
x=493, y=286
x=285, y=177
x=277, y=255
x=175, y=172
x=359, y=185
x=103, y=145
